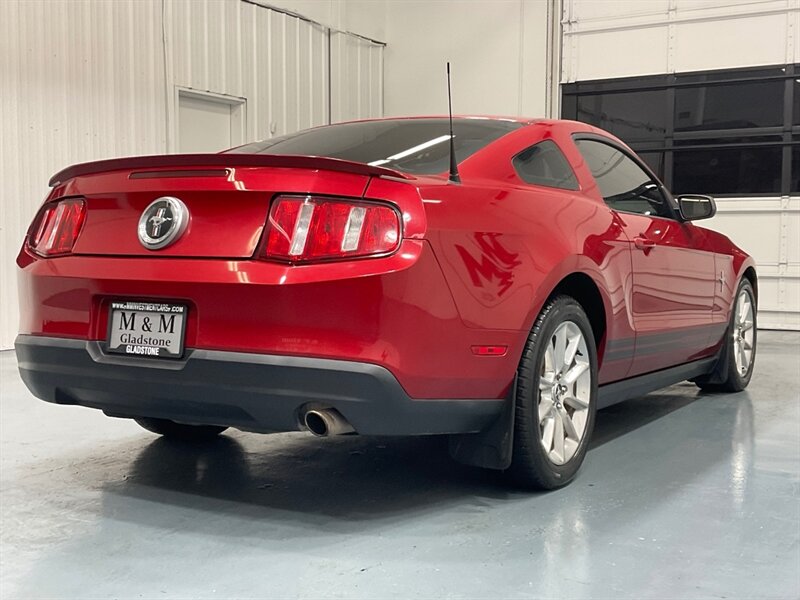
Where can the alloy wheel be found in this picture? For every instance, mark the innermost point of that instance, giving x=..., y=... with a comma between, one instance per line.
x=565, y=383
x=743, y=333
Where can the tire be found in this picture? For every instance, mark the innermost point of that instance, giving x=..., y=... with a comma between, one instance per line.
x=735, y=366
x=532, y=465
x=180, y=431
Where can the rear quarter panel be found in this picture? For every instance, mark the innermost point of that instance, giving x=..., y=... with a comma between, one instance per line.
x=505, y=245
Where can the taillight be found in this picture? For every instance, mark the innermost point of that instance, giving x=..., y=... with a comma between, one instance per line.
x=57, y=227
x=313, y=228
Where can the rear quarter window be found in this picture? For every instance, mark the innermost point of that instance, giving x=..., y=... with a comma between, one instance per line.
x=545, y=164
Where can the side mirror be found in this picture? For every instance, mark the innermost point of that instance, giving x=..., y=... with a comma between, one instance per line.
x=694, y=207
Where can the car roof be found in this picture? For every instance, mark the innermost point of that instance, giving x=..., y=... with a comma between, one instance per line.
x=510, y=119
x=571, y=126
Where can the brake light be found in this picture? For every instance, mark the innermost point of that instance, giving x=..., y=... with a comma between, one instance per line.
x=57, y=227
x=313, y=228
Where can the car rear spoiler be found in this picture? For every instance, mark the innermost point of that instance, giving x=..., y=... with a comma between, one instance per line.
x=290, y=161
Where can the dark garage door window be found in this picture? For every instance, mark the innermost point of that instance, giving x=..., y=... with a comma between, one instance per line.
x=733, y=106
x=630, y=115
x=795, y=184
x=728, y=170
x=729, y=132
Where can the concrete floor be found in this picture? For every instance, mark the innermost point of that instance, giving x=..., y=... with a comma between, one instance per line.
x=682, y=495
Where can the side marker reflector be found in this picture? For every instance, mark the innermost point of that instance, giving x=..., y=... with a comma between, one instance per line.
x=489, y=350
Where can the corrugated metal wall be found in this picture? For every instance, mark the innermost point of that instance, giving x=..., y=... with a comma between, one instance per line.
x=84, y=80
x=642, y=37
x=356, y=78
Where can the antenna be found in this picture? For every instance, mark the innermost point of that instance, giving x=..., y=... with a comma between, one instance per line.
x=453, y=163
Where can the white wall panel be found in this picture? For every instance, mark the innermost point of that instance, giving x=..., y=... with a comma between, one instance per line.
x=769, y=230
x=276, y=61
x=689, y=5
x=356, y=78
x=363, y=17
x=603, y=39
x=498, y=49
x=634, y=52
x=84, y=80
x=704, y=45
x=610, y=9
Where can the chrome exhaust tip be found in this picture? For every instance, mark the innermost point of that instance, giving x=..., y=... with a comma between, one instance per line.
x=325, y=422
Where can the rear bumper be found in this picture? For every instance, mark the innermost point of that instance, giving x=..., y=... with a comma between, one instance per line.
x=254, y=392
x=395, y=311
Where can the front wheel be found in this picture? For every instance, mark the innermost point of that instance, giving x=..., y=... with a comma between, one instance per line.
x=738, y=356
x=556, y=397
x=180, y=431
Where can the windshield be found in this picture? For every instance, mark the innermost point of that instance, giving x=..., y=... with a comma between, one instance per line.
x=419, y=146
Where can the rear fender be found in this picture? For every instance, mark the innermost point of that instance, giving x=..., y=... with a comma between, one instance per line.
x=613, y=287
x=570, y=266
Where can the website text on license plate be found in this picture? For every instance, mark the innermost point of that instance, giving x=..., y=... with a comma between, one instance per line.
x=146, y=329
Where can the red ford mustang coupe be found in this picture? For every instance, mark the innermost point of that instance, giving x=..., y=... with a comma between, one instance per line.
x=348, y=278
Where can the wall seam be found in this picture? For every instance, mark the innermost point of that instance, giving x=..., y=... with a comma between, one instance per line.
x=521, y=58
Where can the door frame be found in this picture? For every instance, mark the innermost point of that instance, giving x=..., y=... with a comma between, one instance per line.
x=238, y=106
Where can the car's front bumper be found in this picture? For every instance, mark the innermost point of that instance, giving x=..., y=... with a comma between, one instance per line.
x=254, y=392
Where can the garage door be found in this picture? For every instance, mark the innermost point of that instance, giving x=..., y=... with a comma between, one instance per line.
x=708, y=93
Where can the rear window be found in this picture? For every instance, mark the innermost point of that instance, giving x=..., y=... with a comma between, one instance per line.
x=418, y=146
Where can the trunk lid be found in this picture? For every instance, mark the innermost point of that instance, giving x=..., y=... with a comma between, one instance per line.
x=227, y=197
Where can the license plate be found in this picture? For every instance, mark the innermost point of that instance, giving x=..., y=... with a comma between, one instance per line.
x=146, y=329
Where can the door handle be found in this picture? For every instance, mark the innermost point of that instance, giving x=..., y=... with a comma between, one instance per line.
x=642, y=243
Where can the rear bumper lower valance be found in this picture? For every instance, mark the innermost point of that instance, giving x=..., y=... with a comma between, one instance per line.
x=253, y=392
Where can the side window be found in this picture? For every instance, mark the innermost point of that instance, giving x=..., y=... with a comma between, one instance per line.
x=544, y=164
x=625, y=186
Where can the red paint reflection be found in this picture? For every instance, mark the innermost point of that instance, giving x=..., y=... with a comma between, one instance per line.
x=496, y=262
